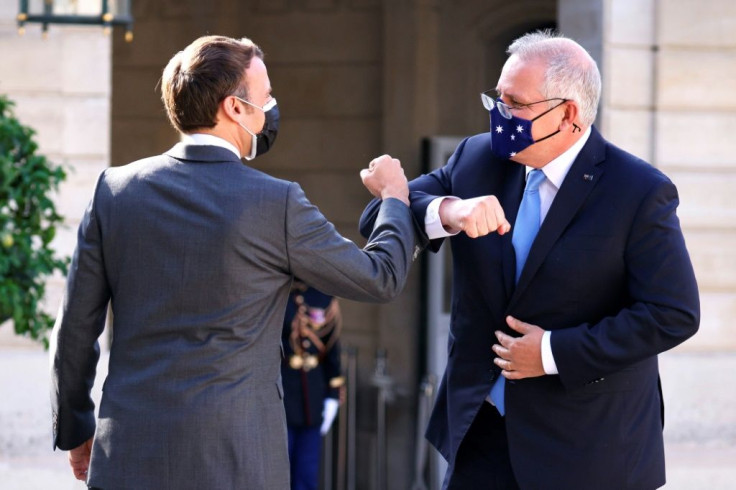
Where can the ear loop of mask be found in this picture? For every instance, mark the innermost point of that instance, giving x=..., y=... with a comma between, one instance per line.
x=542, y=114
x=253, y=137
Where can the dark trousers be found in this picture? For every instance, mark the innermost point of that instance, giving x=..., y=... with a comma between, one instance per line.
x=305, y=451
x=482, y=460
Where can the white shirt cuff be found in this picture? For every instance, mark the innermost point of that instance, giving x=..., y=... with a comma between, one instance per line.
x=432, y=223
x=548, y=360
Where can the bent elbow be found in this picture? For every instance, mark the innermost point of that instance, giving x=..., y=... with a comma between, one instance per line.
x=685, y=324
x=391, y=287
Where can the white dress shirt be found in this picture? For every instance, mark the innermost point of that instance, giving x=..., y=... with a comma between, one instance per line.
x=209, y=139
x=555, y=171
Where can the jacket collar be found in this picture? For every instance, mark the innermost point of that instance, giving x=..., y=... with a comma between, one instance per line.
x=202, y=153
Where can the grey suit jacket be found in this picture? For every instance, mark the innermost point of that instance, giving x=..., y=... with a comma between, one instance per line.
x=196, y=252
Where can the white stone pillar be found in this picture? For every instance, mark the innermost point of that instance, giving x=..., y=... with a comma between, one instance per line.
x=695, y=98
x=61, y=86
x=668, y=96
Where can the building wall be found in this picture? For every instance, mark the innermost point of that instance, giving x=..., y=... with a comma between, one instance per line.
x=669, y=101
x=61, y=87
x=667, y=97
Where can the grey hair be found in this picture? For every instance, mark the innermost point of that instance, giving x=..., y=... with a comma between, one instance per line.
x=571, y=72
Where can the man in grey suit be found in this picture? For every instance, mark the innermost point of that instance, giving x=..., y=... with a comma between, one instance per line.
x=196, y=252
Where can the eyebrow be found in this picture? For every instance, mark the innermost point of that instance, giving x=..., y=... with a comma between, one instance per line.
x=511, y=97
x=508, y=95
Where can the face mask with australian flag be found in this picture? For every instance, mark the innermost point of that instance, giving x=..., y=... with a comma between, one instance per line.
x=511, y=134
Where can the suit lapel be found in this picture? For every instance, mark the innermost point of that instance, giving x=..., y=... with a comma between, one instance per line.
x=583, y=176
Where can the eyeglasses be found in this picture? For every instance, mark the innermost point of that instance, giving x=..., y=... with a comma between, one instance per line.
x=505, y=110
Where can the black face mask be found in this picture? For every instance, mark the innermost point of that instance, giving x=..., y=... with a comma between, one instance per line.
x=267, y=136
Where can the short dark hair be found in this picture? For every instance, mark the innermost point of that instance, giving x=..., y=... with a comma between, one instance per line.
x=198, y=78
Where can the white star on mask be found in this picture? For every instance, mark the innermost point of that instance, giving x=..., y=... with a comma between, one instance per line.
x=519, y=128
x=499, y=129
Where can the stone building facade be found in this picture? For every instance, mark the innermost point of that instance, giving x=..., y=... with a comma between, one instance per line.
x=358, y=78
x=61, y=88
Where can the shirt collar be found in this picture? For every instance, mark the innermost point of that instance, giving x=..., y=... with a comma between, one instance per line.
x=209, y=139
x=557, y=169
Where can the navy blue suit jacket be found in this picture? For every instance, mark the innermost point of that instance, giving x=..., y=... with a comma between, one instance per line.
x=608, y=274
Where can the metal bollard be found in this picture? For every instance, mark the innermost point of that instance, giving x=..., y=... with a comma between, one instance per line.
x=338, y=449
x=350, y=434
x=342, y=426
x=386, y=395
x=424, y=406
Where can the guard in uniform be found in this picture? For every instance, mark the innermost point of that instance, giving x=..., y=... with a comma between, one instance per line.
x=311, y=378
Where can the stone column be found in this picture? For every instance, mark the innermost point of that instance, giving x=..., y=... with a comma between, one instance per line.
x=61, y=87
x=668, y=97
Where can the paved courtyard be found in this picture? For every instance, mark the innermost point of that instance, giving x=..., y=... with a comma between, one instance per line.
x=700, y=429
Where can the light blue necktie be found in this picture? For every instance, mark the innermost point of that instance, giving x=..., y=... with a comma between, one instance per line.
x=525, y=230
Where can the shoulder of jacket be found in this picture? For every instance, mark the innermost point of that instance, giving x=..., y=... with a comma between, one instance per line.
x=636, y=175
x=631, y=164
x=478, y=142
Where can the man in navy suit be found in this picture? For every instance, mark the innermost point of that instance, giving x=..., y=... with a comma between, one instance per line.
x=566, y=332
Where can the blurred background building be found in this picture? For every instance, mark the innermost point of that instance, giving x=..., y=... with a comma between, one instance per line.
x=358, y=78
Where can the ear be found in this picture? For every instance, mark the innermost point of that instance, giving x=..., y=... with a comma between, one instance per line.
x=570, y=117
x=231, y=108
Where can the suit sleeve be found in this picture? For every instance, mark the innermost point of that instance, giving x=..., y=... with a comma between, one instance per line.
x=422, y=191
x=322, y=258
x=663, y=308
x=74, y=348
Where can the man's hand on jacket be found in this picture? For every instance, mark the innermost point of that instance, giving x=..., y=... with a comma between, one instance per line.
x=520, y=357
